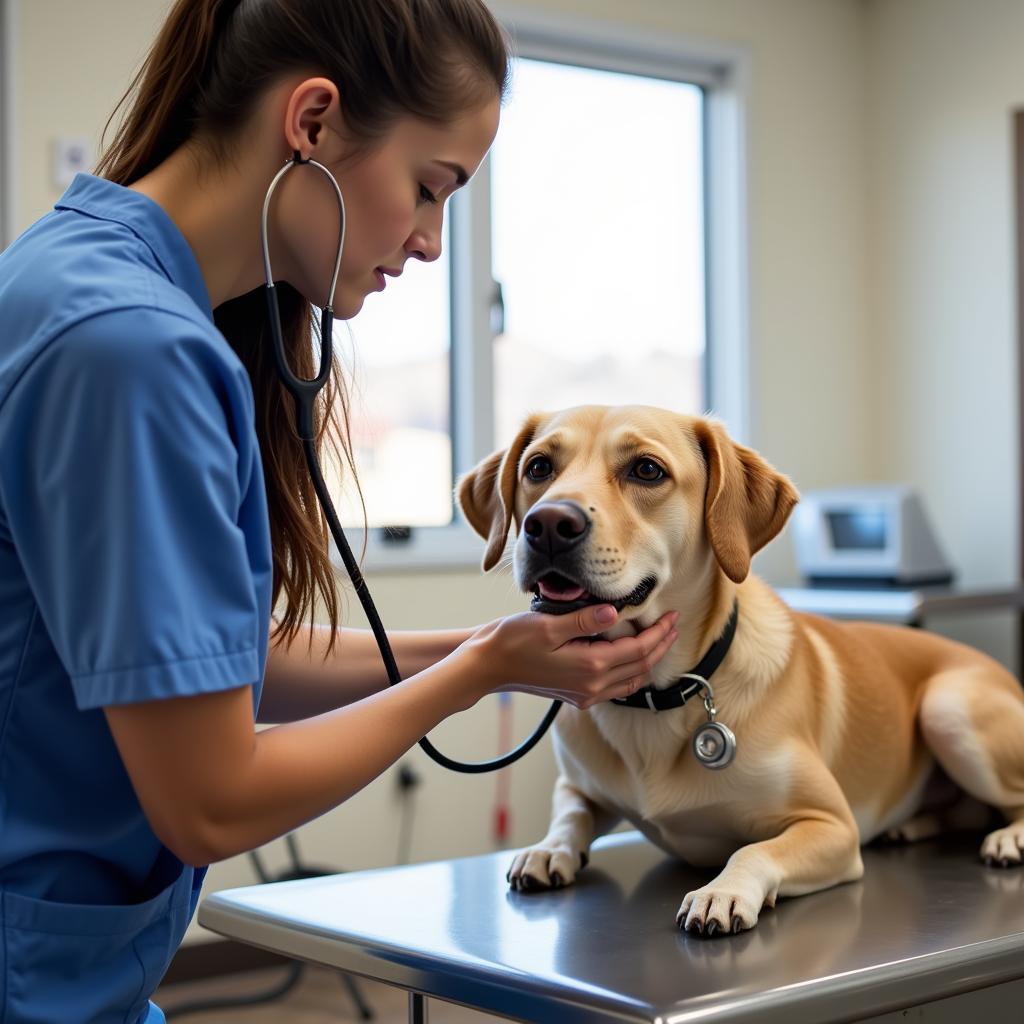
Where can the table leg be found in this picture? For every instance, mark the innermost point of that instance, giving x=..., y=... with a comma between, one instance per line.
x=417, y=1008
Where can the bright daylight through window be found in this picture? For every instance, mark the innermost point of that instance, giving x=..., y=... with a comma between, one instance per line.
x=596, y=182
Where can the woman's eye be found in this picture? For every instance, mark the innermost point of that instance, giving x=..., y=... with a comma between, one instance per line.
x=426, y=195
x=648, y=471
x=539, y=468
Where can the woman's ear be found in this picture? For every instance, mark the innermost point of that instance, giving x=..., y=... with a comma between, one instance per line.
x=486, y=494
x=747, y=501
x=310, y=105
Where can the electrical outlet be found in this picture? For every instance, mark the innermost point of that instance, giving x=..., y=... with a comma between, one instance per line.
x=71, y=154
x=408, y=777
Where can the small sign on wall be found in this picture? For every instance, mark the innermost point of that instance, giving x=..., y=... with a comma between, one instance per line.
x=71, y=154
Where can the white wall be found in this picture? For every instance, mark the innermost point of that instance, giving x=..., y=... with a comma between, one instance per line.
x=864, y=317
x=945, y=77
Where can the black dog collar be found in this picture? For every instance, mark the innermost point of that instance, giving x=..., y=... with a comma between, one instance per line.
x=690, y=683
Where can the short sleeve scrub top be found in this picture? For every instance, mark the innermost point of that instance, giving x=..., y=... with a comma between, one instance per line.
x=135, y=565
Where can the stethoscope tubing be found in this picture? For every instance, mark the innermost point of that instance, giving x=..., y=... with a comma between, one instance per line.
x=304, y=392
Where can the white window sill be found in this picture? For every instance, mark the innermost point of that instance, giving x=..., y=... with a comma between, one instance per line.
x=429, y=548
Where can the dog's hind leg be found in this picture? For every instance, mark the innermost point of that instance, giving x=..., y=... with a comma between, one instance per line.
x=966, y=813
x=972, y=719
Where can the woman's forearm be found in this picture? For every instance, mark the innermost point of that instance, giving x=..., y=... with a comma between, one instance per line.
x=211, y=785
x=300, y=770
x=299, y=683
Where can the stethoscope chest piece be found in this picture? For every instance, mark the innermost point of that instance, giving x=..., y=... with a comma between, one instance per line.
x=714, y=744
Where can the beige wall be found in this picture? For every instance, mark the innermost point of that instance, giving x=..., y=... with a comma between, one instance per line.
x=68, y=81
x=864, y=154
x=945, y=77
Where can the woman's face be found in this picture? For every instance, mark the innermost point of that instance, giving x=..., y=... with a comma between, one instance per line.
x=394, y=202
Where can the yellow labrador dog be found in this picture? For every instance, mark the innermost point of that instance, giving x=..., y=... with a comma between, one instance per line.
x=841, y=730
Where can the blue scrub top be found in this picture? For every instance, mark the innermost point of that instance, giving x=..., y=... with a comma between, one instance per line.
x=135, y=565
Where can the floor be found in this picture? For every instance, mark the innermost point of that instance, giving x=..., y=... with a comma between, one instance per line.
x=318, y=998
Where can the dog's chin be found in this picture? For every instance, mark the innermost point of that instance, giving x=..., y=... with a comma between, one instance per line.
x=549, y=588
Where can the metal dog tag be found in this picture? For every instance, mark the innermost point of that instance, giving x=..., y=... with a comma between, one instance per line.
x=714, y=744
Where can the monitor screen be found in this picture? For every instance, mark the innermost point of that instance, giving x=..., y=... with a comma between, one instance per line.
x=858, y=529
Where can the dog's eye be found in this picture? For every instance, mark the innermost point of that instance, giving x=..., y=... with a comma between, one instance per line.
x=648, y=471
x=539, y=468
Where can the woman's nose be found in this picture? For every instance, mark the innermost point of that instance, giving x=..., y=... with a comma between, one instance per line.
x=423, y=248
x=425, y=242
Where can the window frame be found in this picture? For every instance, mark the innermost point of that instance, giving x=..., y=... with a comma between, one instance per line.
x=722, y=72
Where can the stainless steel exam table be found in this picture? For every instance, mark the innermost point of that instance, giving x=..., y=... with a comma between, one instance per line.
x=926, y=922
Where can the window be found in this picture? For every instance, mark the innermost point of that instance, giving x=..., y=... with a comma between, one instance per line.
x=580, y=266
x=396, y=360
x=596, y=193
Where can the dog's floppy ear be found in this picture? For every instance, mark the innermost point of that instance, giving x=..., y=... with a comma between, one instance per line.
x=747, y=501
x=487, y=493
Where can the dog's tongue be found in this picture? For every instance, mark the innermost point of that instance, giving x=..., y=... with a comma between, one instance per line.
x=571, y=593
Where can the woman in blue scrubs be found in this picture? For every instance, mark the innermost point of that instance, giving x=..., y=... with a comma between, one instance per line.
x=160, y=551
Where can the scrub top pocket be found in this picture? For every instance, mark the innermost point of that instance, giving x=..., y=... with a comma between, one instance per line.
x=74, y=962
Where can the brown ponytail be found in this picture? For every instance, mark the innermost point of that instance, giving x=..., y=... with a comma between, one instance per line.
x=430, y=59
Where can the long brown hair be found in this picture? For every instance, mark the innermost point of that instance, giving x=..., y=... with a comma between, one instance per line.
x=429, y=59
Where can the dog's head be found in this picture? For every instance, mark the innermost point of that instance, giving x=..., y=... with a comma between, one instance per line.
x=610, y=503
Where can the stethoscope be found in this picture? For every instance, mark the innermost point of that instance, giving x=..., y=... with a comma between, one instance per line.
x=305, y=392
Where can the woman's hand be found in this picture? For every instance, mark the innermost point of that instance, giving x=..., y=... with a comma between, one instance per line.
x=555, y=656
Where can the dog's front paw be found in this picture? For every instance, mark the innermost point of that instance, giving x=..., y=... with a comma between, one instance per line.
x=719, y=908
x=545, y=867
x=1005, y=847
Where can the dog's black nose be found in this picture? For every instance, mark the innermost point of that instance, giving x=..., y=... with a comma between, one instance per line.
x=555, y=526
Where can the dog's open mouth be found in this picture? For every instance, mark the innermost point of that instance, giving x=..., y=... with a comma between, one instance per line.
x=555, y=594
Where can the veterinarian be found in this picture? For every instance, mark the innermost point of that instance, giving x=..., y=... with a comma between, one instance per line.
x=160, y=549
